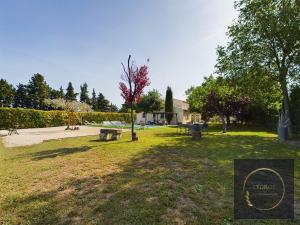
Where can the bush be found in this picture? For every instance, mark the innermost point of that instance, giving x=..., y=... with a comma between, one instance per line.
x=31, y=118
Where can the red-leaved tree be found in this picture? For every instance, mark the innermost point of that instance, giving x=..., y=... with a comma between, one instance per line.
x=135, y=79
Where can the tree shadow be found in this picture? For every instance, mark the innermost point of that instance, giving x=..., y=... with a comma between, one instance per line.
x=175, y=182
x=58, y=152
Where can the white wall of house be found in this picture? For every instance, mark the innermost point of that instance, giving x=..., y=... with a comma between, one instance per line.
x=180, y=108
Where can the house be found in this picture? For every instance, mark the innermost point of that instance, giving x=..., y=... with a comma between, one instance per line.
x=181, y=115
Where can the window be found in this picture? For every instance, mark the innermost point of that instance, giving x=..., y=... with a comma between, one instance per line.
x=162, y=115
x=144, y=115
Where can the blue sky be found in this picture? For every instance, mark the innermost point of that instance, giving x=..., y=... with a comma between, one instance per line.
x=86, y=41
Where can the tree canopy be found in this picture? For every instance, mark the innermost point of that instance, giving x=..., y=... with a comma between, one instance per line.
x=216, y=97
x=264, y=44
x=6, y=93
x=70, y=94
x=150, y=102
x=84, y=93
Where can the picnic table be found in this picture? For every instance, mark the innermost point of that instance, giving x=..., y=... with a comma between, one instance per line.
x=110, y=134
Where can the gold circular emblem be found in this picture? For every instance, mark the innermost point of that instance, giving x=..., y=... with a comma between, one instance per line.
x=247, y=196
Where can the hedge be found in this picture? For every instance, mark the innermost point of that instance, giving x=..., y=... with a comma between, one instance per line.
x=31, y=118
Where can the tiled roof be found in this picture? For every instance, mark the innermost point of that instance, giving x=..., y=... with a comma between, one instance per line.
x=180, y=104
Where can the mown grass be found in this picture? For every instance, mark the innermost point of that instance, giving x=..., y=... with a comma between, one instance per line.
x=164, y=178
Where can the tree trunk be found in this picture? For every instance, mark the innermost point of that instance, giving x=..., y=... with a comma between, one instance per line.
x=132, y=122
x=224, y=123
x=228, y=120
x=286, y=102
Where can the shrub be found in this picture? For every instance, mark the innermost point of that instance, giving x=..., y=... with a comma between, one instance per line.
x=31, y=118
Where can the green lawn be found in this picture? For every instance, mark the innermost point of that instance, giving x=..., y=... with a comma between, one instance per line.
x=164, y=178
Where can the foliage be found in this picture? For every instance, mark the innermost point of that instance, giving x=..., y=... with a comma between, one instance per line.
x=70, y=107
x=38, y=91
x=31, y=118
x=70, y=94
x=264, y=42
x=21, y=99
x=102, y=104
x=169, y=105
x=84, y=94
x=216, y=97
x=6, y=93
x=94, y=100
x=113, y=108
x=295, y=107
x=150, y=102
x=54, y=94
x=135, y=79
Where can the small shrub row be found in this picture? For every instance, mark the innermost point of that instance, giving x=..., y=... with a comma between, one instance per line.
x=31, y=118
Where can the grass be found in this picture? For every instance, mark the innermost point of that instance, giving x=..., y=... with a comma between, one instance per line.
x=164, y=178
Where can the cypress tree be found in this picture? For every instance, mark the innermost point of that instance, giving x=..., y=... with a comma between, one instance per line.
x=169, y=105
x=84, y=94
x=102, y=103
x=94, y=100
x=70, y=95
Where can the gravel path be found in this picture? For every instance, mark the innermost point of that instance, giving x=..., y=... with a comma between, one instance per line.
x=38, y=135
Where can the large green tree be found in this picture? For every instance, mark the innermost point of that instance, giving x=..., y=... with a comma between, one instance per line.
x=150, y=102
x=84, y=93
x=264, y=41
x=21, y=98
x=216, y=97
x=70, y=94
x=6, y=93
x=169, y=110
x=38, y=91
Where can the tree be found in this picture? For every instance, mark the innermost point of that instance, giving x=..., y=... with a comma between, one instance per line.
x=150, y=102
x=71, y=107
x=21, y=97
x=61, y=92
x=53, y=93
x=6, y=93
x=102, y=103
x=169, y=105
x=38, y=91
x=84, y=94
x=265, y=39
x=215, y=97
x=94, y=100
x=125, y=108
x=70, y=95
x=135, y=79
x=113, y=108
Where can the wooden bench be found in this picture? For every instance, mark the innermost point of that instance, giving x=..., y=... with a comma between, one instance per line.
x=110, y=134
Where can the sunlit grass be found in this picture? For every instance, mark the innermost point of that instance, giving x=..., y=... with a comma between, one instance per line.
x=164, y=178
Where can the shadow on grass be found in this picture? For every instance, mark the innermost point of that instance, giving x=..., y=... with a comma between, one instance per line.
x=58, y=152
x=179, y=181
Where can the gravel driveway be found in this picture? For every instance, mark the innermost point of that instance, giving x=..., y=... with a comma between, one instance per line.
x=38, y=135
